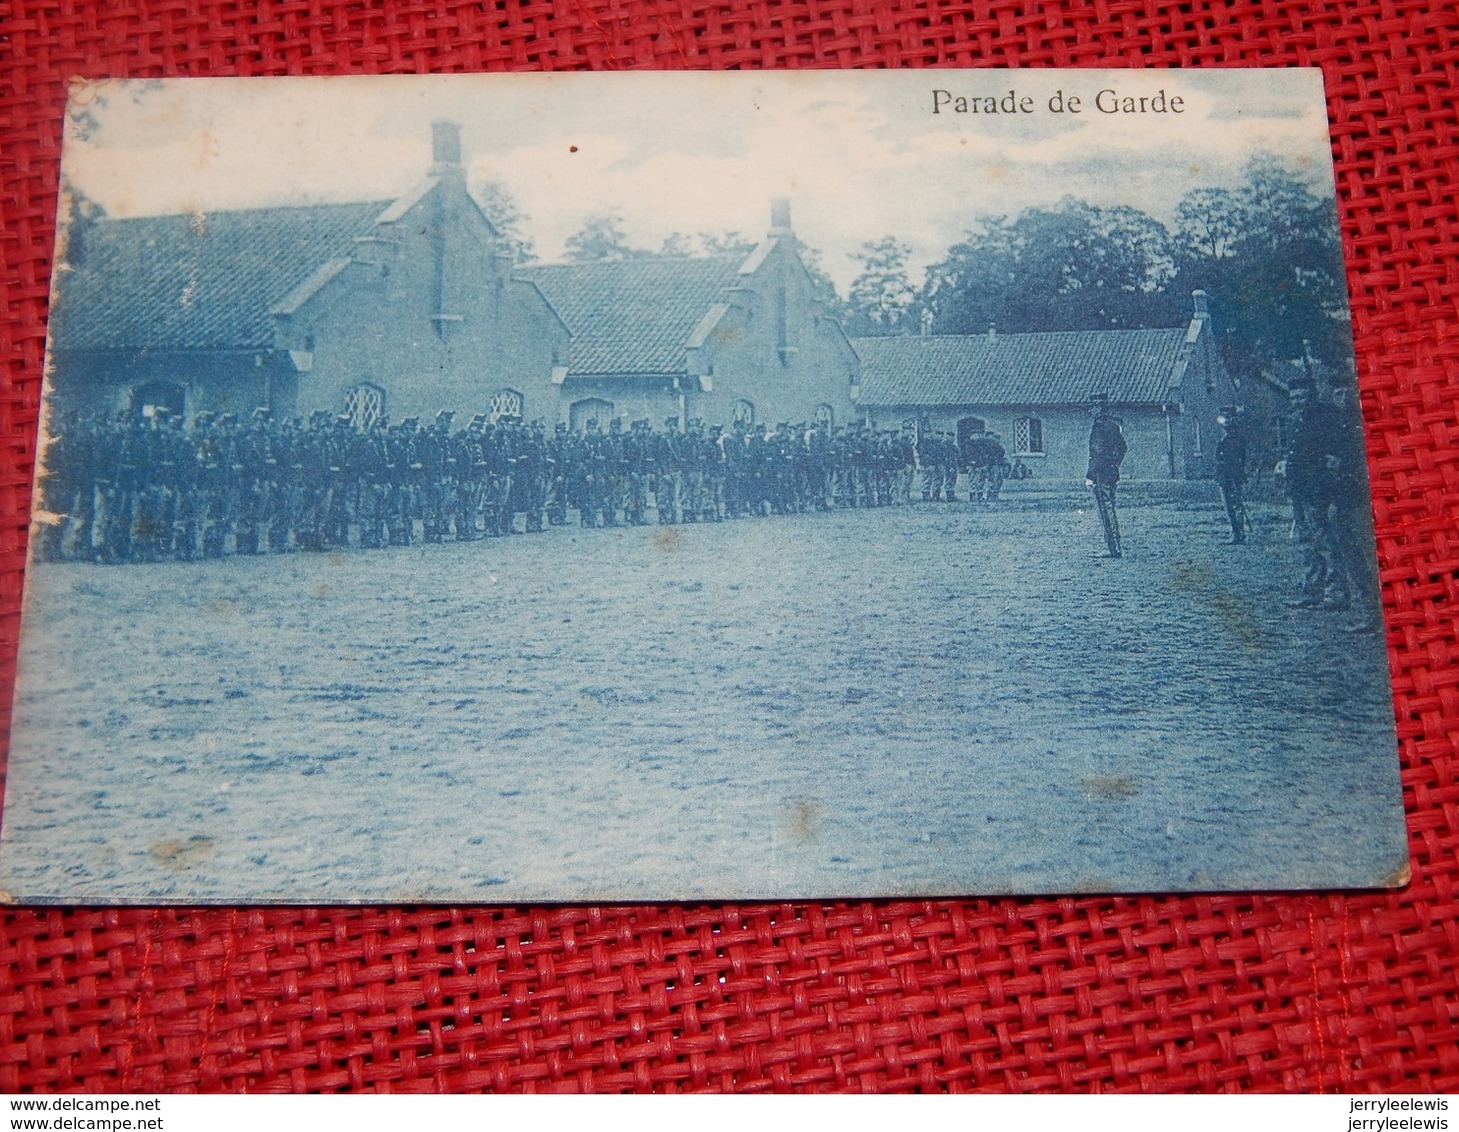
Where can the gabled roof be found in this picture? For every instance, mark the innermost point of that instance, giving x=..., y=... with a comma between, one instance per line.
x=633, y=316
x=1060, y=368
x=200, y=282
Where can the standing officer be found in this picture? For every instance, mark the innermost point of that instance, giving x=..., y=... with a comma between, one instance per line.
x=1314, y=441
x=1106, y=451
x=1231, y=470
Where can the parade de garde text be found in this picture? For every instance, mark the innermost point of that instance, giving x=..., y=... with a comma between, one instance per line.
x=1106, y=101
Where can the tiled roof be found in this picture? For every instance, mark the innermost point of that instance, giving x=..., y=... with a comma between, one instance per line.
x=1063, y=368
x=203, y=282
x=633, y=316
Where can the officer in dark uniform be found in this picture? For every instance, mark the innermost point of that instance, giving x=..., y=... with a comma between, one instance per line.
x=1312, y=456
x=1352, y=513
x=1231, y=470
x=1106, y=451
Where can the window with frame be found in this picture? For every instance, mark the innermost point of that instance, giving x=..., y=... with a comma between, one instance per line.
x=364, y=404
x=505, y=403
x=1028, y=436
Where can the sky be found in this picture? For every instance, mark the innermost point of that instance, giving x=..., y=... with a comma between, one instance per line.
x=860, y=154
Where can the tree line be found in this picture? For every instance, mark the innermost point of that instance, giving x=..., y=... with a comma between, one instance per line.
x=1267, y=253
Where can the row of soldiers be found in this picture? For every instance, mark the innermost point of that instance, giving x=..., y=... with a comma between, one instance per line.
x=135, y=488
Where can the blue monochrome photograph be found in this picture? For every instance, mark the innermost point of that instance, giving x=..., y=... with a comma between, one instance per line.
x=648, y=486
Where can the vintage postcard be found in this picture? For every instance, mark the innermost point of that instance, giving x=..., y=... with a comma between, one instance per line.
x=685, y=486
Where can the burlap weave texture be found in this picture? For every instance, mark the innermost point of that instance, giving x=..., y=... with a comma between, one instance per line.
x=1307, y=992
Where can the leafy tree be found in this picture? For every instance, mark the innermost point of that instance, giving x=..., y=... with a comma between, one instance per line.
x=1268, y=254
x=706, y=244
x=882, y=296
x=601, y=237
x=501, y=209
x=1208, y=223
x=726, y=243
x=1073, y=267
x=678, y=245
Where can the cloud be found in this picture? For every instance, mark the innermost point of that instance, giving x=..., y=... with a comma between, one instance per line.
x=860, y=154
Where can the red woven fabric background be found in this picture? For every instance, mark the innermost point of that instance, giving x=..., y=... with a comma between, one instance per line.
x=1307, y=992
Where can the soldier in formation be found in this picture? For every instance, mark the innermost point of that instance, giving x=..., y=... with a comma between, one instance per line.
x=136, y=488
x=986, y=464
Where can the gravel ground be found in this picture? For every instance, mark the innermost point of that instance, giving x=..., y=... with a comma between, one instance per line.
x=936, y=699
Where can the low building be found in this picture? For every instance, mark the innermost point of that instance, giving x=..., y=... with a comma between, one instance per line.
x=1165, y=385
x=401, y=308
x=719, y=338
x=395, y=307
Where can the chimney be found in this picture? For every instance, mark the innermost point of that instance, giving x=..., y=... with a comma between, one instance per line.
x=445, y=145
x=1202, y=309
x=992, y=333
x=927, y=317
x=780, y=214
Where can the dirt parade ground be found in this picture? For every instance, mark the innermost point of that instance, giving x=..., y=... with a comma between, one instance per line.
x=946, y=698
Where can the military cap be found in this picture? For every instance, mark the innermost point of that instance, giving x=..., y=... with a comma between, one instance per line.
x=410, y=422
x=227, y=418
x=478, y=420
x=445, y=415
x=345, y=419
x=262, y=413
x=204, y=418
x=715, y=430
x=561, y=426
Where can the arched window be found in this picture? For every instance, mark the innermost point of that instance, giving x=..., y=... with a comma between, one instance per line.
x=744, y=411
x=505, y=403
x=591, y=408
x=364, y=404
x=825, y=417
